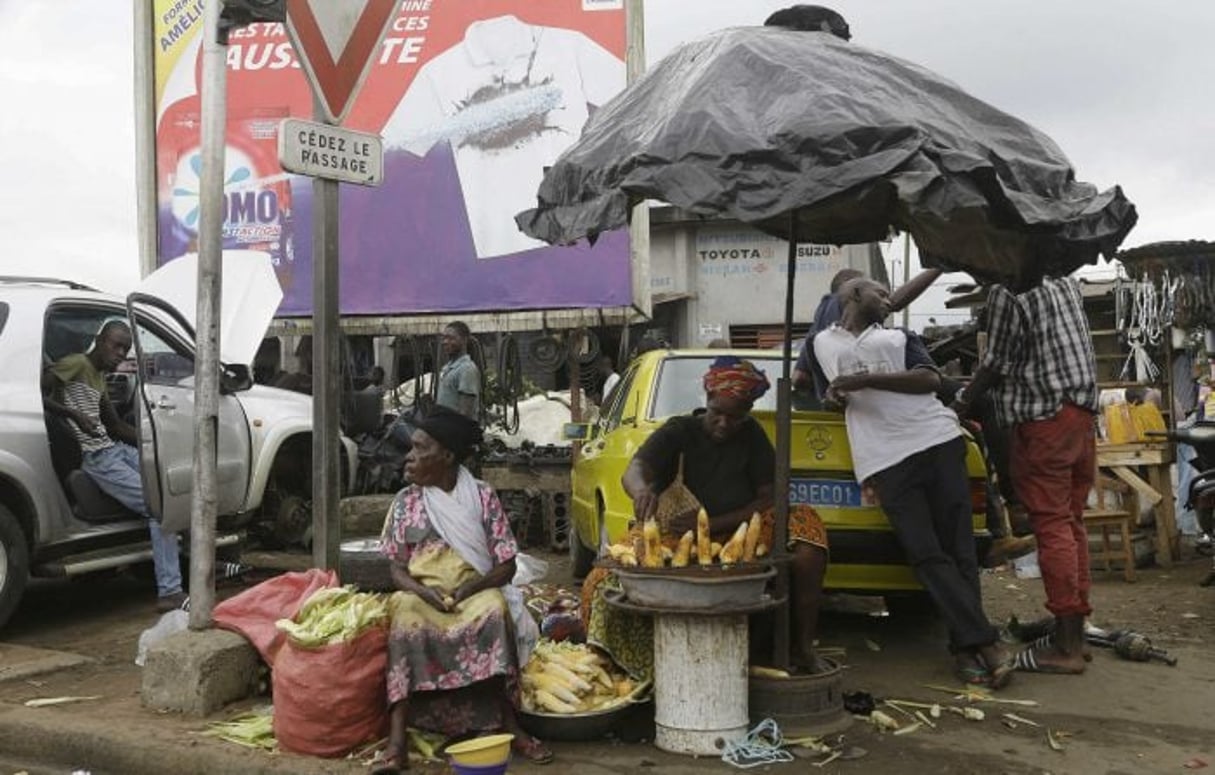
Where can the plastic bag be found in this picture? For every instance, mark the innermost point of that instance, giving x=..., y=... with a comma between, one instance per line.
x=253, y=612
x=1026, y=566
x=172, y=622
x=528, y=569
x=330, y=700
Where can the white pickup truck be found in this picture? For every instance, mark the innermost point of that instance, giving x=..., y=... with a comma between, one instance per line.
x=54, y=521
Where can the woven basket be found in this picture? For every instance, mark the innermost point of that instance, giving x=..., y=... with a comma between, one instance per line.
x=675, y=500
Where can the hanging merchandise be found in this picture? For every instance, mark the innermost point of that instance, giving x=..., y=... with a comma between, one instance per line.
x=586, y=348
x=1143, y=328
x=547, y=353
x=1168, y=299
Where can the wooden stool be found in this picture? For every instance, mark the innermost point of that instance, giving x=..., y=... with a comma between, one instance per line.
x=1110, y=519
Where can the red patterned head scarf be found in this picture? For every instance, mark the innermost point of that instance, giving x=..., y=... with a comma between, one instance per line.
x=733, y=377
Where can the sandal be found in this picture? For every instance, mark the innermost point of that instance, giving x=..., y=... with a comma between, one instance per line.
x=532, y=749
x=390, y=762
x=970, y=670
x=1027, y=661
x=999, y=673
x=1048, y=642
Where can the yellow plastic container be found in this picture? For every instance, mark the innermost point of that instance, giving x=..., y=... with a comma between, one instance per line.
x=1147, y=418
x=481, y=751
x=1119, y=427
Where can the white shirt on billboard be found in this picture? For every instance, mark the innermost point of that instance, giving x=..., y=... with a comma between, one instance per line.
x=509, y=98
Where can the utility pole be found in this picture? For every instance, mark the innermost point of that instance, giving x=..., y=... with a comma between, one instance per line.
x=145, y=134
x=203, y=506
x=218, y=18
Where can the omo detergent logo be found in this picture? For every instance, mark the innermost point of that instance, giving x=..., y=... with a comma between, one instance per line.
x=252, y=208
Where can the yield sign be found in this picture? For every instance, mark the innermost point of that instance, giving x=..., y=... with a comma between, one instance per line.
x=336, y=41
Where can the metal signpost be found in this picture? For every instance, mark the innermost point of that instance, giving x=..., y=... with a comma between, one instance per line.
x=203, y=506
x=335, y=41
x=219, y=19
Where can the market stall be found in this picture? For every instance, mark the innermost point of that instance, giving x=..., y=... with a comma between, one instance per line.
x=1167, y=300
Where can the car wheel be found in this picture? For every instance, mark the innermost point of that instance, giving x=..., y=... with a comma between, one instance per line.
x=581, y=558
x=14, y=564
x=293, y=522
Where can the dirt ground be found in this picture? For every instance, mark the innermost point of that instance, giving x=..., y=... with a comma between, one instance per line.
x=1120, y=717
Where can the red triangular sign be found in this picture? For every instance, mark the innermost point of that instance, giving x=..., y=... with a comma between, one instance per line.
x=336, y=41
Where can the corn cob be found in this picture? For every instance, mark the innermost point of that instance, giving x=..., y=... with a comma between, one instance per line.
x=549, y=702
x=653, y=545
x=567, y=676
x=732, y=551
x=604, y=680
x=549, y=682
x=761, y=671
x=752, y=539
x=704, y=553
x=618, y=551
x=683, y=552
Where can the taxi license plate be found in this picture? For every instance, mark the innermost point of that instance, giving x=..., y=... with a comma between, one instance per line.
x=835, y=493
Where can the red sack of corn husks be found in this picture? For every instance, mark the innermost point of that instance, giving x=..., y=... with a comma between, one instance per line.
x=253, y=613
x=329, y=676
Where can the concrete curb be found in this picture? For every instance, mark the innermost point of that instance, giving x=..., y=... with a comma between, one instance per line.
x=48, y=737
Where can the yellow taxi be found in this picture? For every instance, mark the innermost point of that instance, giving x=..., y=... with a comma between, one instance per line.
x=865, y=556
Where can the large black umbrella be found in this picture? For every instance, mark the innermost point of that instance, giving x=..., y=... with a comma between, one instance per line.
x=812, y=138
x=758, y=123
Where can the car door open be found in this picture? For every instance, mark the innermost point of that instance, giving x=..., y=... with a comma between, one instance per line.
x=166, y=410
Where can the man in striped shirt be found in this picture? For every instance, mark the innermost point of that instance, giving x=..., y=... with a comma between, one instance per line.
x=1040, y=367
x=74, y=388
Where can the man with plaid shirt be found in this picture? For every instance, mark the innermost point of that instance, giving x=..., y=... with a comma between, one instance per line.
x=1040, y=367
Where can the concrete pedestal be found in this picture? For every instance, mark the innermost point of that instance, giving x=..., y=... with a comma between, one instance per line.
x=199, y=672
x=700, y=682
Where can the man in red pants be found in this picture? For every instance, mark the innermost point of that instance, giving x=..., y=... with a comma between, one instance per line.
x=1041, y=370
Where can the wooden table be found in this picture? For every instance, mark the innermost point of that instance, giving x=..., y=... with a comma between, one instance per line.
x=1156, y=458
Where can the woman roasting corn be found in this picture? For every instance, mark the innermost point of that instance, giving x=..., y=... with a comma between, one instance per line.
x=727, y=463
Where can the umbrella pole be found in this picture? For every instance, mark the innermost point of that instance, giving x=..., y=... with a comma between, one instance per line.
x=780, y=530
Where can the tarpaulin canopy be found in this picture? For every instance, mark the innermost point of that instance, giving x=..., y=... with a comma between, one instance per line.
x=784, y=129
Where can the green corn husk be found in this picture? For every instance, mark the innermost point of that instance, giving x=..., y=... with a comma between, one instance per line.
x=251, y=730
x=334, y=615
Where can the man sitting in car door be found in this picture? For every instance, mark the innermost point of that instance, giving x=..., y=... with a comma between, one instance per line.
x=74, y=388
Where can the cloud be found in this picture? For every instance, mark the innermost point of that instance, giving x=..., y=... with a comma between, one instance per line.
x=1119, y=85
x=67, y=195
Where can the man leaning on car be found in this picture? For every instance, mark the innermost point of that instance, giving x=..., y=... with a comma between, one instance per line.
x=74, y=388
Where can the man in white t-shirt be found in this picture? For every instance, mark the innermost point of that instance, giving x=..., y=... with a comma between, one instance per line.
x=610, y=378
x=908, y=446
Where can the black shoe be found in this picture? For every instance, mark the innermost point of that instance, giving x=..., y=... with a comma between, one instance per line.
x=173, y=602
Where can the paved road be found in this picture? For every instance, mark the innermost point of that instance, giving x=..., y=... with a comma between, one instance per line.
x=9, y=767
x=1122, y=717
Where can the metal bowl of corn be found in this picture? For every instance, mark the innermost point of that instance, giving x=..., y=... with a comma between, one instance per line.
x=694, y=588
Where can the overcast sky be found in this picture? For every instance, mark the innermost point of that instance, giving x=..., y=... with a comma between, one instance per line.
x=1125, y=88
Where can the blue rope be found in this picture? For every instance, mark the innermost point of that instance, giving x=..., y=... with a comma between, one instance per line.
x=759, y=747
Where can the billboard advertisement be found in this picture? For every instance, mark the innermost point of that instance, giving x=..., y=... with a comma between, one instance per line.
x=473, y=98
